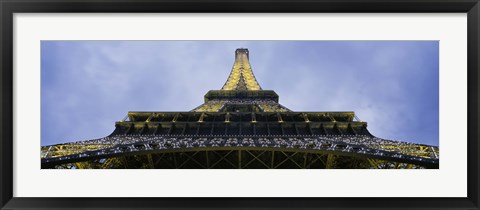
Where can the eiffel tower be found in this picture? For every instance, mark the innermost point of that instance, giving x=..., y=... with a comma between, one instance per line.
x=240, y=126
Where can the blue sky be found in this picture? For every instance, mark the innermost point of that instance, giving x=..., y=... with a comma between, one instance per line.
x=88, y=85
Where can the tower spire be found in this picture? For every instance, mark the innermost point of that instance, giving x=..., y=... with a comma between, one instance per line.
x=241, y=77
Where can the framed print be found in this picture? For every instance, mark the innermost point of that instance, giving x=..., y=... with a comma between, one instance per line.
x=243, y=125
x=239, y=105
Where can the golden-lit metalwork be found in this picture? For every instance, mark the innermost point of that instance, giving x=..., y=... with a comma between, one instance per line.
x=60, y=150
x=240, y=126
x=210, y=106
x=241, y=77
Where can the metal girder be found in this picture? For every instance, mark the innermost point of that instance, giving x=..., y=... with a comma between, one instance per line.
x=235, y=159
x=255, y=157
x=150, y=161
x=288, y=157
x=222, y=157
x=317, y=158
x=338, y=145
x=190, y=158
x=330, y=163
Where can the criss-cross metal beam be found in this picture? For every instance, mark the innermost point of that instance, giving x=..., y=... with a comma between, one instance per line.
x=162, y=159
x=289, y=157
x=190, y=158
x=255, y=157
x=317, y=158
x=223, y=157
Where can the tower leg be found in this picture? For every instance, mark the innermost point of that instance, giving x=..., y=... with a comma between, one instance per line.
x=330, y=161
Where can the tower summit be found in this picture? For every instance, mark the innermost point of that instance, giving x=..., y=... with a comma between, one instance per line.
x=240, y=126
x=241, y=77
x=241, y=92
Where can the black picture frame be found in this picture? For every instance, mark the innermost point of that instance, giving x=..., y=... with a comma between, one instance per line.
x=10, y=7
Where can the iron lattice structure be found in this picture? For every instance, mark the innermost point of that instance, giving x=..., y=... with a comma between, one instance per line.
x=240, y=126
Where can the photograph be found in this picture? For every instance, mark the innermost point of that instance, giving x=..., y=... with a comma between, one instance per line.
x=256, y=104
